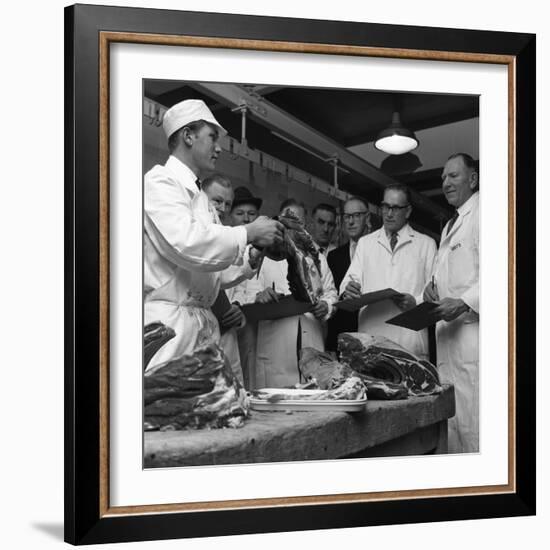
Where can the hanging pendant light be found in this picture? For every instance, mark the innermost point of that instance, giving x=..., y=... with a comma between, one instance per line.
x=395, y=139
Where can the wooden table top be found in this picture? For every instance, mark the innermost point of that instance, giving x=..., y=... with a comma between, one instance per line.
x=277, y=436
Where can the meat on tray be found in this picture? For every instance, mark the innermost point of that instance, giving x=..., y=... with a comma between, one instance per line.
x=192, y=392
x=380, y=358
x=328, y=373
x=351, y=389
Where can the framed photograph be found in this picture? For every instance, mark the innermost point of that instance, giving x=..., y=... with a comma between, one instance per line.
x=299, y=108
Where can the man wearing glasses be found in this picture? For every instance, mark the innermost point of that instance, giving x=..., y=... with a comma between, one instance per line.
x=356, y=221
x=395, y=256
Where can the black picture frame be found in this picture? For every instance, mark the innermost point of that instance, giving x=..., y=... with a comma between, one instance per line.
x=87, y=519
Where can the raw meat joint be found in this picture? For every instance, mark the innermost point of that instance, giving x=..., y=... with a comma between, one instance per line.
x=326, y=372
x=304, y=266
x=192, y=392
x=381, y=359
x=155, y=335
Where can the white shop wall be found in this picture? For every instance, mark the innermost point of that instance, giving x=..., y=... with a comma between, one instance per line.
x=272, y=187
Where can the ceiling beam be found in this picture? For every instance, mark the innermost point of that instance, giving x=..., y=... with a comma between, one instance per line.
x=263, y=90
x=276, y=119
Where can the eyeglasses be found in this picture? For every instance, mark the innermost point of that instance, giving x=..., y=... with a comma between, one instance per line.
x=355, y=216
x=389, y=207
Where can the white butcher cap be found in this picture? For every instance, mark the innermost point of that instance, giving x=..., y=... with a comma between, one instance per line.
x=185, y=112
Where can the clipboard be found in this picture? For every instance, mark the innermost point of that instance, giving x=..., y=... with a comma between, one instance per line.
x=417, y=318
x=353, y=304
x=287, y=306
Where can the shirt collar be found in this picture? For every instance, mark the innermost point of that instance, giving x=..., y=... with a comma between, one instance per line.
x=405, y=231
x=468, y=205
x=352, y=248
x=183, y=173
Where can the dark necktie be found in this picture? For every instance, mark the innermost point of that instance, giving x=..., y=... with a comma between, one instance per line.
x=452, y=221
x=322, y=249
x=393, y=240
x=198, y=182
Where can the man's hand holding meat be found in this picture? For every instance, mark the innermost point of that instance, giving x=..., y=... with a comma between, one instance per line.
x=264, y=231
x=254, y=257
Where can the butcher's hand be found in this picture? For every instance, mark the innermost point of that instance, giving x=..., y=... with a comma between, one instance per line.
x=233, y=317
x=404, y=301
x=430, y=292
x=449, y=309
x=255, y=257
x=352, y=290
x=264, y=231
x=320, y=310
x=267, y=296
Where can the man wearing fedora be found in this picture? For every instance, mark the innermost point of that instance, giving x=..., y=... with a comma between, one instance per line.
x=245, y=209
x=185, y=250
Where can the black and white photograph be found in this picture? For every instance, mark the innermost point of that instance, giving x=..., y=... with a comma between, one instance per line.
x=299, y=284
x=310, y=273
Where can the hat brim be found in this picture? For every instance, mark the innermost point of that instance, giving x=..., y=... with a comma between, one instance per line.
x=221, y=130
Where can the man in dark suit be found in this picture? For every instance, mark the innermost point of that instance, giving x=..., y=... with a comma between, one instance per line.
x=356, y=221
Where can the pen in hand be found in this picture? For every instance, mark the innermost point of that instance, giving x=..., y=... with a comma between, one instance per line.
x=353, y=289
x=275, y=296
x=431, y=294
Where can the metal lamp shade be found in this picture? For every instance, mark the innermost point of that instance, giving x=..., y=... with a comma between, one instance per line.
x=396, y=140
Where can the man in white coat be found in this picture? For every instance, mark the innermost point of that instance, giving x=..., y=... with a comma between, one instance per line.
x=395, y=256
x=184, y=248
x=279, y=341
x=456, y=288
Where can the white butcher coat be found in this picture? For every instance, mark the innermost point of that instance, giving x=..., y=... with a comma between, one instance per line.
x=185, y=252
x=456, y=275
x=276, y=350
x=407, y=269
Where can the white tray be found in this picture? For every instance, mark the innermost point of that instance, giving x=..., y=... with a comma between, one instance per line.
x=325, y=405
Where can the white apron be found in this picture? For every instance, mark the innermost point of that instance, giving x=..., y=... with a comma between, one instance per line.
x=185, y=251
x=184, y=302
